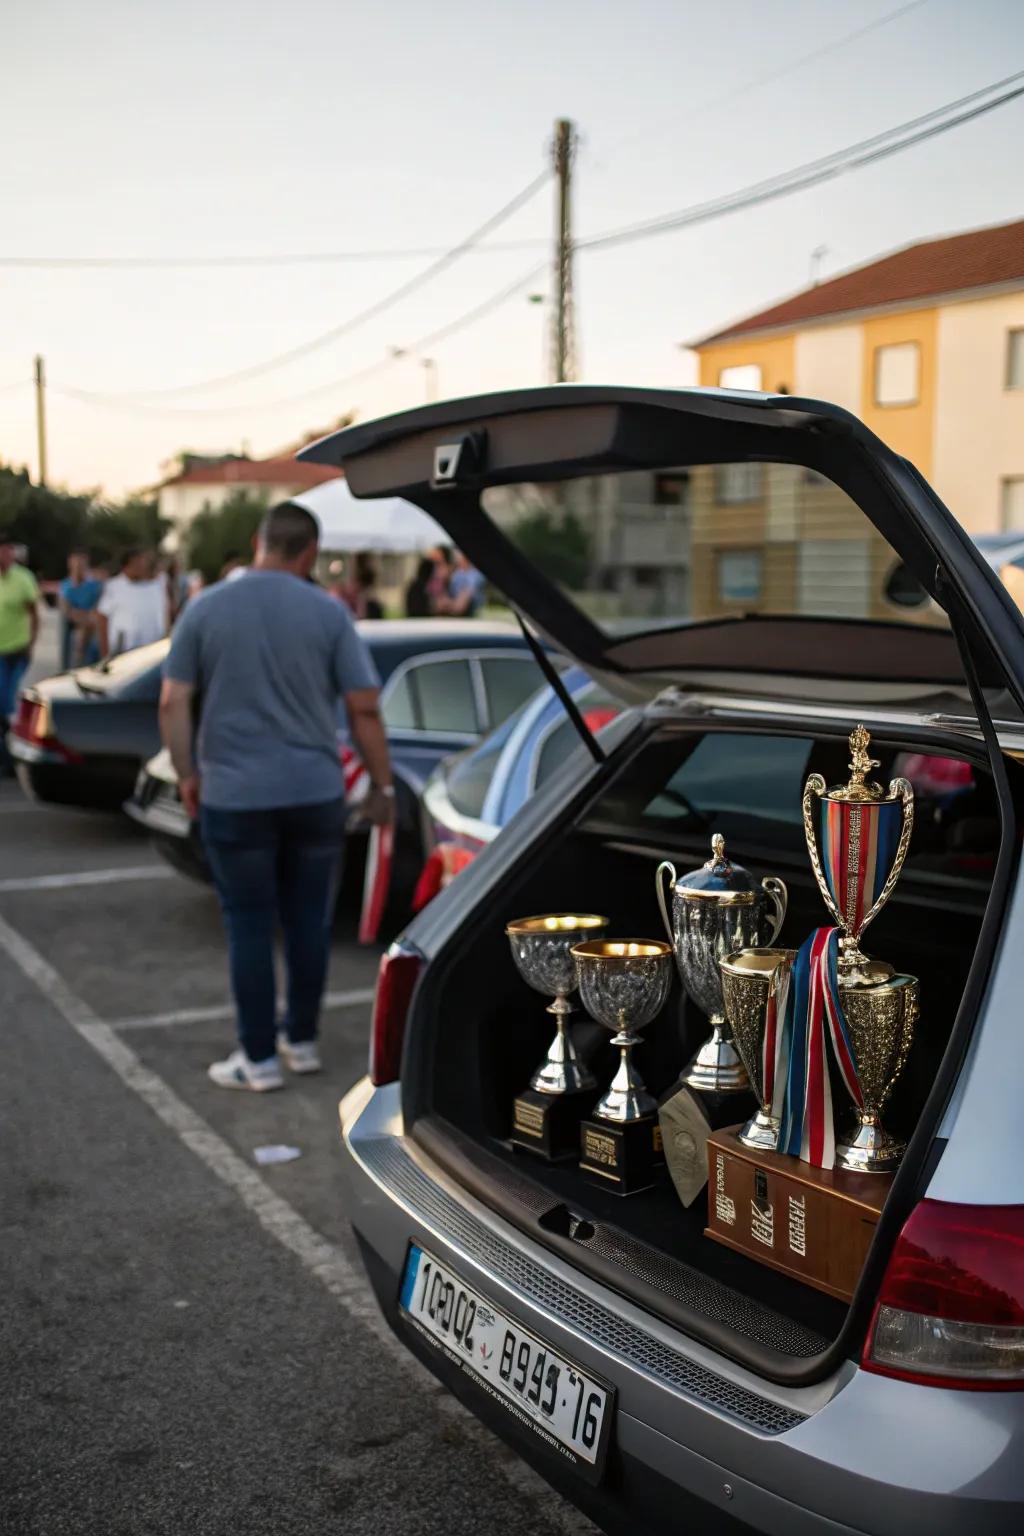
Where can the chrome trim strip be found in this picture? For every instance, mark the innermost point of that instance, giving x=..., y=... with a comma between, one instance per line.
x=622, y=1335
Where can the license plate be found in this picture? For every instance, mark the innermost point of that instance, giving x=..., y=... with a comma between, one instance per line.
x=568, y=1408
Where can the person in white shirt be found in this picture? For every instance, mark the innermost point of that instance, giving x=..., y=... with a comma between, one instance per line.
x=134, y=609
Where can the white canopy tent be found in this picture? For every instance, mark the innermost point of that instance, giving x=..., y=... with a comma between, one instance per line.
x=385, y=523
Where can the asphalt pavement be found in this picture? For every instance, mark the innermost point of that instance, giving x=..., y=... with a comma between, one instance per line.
x=189, y=1345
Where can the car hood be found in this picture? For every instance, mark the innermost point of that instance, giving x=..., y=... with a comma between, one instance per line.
x=443, y=457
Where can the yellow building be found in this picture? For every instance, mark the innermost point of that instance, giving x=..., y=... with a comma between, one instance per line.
x=926, y=345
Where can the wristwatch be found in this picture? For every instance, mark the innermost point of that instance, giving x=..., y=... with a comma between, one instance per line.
x=387, y=790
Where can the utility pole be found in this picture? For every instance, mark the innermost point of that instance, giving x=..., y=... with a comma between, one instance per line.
x=41, y=417
x=563, y=338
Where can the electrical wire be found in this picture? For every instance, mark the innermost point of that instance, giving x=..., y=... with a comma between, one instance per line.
x=460, y=322
x=877, y=147
x=424, y=252
x=891, y=141
x=345, y=327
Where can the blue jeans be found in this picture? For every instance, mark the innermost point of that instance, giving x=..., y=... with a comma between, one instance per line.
x=13, y=666
x=280, y=864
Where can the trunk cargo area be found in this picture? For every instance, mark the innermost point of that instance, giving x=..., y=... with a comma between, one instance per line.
x=490, y=1031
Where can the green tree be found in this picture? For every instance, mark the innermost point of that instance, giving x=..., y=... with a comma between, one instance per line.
x=113, y=526
x=48, y=522
x=560, y=547
x=218, y=532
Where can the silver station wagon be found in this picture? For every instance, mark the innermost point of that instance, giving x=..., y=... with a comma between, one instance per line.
x=756, y=576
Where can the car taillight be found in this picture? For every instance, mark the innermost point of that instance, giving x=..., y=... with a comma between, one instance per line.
x=396, y=979
x=33, y=722
x=950, y=1311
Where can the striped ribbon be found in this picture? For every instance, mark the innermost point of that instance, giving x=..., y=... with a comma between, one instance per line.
x=814, y=1020
x=858, y=846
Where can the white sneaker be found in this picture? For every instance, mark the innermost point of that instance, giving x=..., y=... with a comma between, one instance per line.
x=237, y=1071
x=301, y=1057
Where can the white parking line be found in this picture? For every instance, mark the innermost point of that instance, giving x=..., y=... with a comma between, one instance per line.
x=360, y=995
x=86, y=877
x=322, y=1258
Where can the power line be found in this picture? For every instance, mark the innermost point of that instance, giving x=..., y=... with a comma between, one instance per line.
x=779, y=72
x=344, y=328
x=853, y=157
x=425, y=252
x=460, y=322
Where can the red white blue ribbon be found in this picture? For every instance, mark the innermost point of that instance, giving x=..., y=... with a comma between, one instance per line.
x=814, y=1030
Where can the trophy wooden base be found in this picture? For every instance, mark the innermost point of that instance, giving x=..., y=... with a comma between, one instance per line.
x=548, y=1124
x=815, y=1224
x=624, y=1157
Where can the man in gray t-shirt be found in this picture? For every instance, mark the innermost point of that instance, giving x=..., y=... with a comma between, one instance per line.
x=267, y=659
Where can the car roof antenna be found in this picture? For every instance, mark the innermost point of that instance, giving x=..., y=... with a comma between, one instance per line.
x=550, y=671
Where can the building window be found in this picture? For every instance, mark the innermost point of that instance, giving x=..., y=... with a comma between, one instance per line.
x=739, y=575
x=1012, y=498
x=1015, y=359
x=738, y=483
x=898, y=374
x=740, y=376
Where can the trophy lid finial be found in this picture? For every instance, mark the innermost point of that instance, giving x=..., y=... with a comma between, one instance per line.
x=861, y=764
x=718, y=847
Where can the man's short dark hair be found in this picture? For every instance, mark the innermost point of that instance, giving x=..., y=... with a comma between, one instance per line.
x=131, y=554
x=289, y=530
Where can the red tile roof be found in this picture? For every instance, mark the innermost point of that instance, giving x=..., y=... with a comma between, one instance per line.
x=981, y=258
x=292, y=473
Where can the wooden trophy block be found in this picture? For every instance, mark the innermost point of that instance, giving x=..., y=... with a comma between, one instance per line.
x=815, y=1224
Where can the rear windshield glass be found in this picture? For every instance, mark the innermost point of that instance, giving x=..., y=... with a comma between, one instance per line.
x=710, y=541
x=749, y=786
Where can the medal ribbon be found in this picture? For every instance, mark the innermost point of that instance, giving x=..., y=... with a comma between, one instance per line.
x=813, y=1018
x=858, y=850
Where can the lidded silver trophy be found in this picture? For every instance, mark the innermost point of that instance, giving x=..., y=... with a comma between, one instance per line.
x=716, y=910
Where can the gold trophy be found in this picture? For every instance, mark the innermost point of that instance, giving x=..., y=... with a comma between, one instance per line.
x=755, y=985
x=864, y=835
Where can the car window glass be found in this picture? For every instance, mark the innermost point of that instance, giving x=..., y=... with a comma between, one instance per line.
x=508, y=682
x=637, y=548
x=749, y=787
x=597, y=709
x=446, y=700
x=399, y=709
x=738, y=776
x=469, y=776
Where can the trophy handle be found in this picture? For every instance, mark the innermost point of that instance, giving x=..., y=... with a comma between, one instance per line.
x=659, y=886
x=905, y=790
x=777, y=894
x=816, y=786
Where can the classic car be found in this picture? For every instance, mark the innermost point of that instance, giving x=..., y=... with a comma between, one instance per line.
x=470, y=796
x=663, y=1376
x=80, y=738
x=444, y=683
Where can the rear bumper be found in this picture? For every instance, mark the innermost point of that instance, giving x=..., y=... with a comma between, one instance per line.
x=856, y=1454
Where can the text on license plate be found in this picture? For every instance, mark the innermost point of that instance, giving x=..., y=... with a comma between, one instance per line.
x=562, y=1402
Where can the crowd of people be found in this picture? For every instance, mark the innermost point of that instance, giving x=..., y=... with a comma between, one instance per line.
x=104, y=614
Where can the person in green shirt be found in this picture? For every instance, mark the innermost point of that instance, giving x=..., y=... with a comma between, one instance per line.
x=19, y=625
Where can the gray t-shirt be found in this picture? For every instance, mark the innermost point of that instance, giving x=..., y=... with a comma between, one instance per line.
x=270, y=657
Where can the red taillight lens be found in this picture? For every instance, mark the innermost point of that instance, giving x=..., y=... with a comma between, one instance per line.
x=951, y=1307
x=396, y=980
x=33, y=722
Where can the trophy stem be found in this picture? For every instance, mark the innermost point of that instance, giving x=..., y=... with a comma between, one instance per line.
x=717, y=1067
x=627, y=1097
x=872, y=1149
x=563, y=1070
x=761, y=1131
